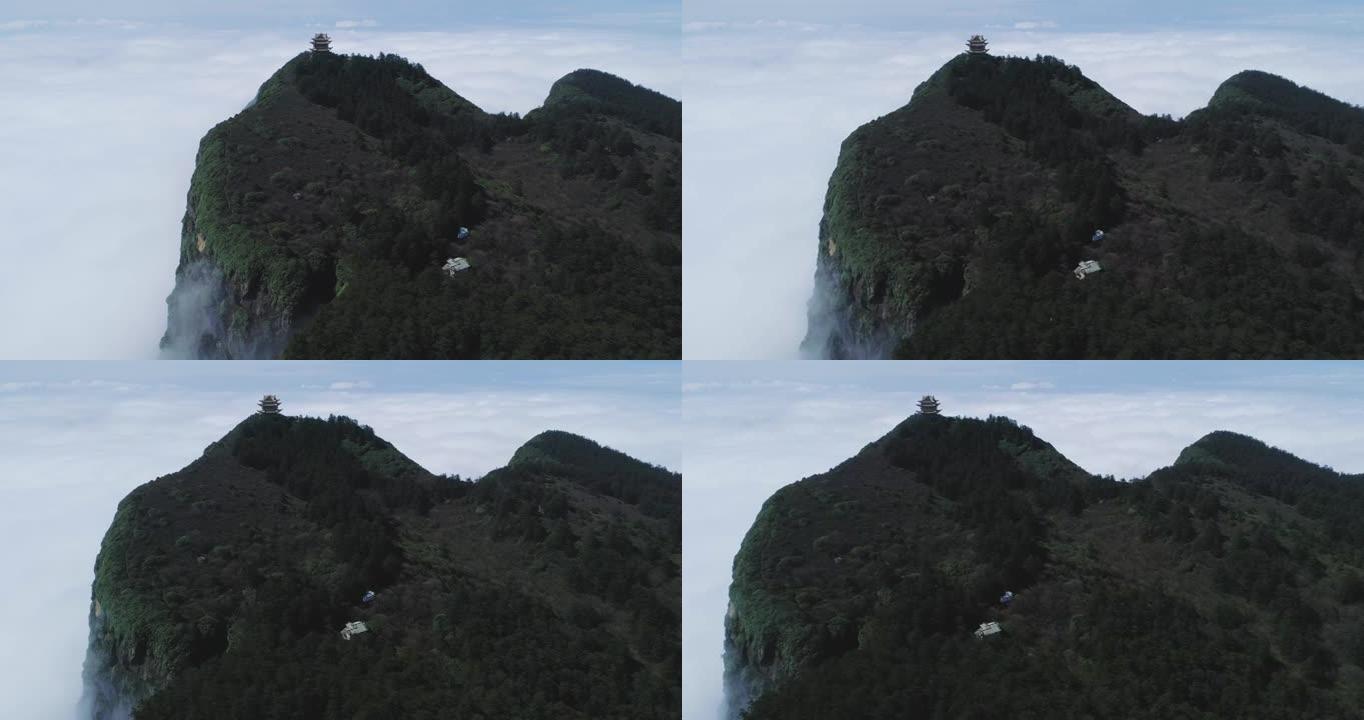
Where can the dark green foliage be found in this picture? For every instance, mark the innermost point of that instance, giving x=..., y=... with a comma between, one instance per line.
x=330, y=205
x=953, y=225
x=1145, y=655
x=605, y=471
x=310, y=460
x=1196, y=592
x=1317, y=492
x=610, y=95
x=597, y=296
x=1301, y=108
x=1222, y=295
x=514, y=596
x=964, y=463
x=1024, y=98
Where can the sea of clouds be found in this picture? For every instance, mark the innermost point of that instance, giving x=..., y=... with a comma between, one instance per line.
x=769, y=102
x=77, y=437
x=100, y=121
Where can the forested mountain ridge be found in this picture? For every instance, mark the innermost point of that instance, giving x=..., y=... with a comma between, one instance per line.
x=593, y=91
x=953, y=226
x=319, y=219
x=221, y=590
x=1230, y=584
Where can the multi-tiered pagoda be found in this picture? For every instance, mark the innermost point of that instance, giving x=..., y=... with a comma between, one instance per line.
x=269, y=405
x=977, y=45
x=322, y=43
x=929, y=405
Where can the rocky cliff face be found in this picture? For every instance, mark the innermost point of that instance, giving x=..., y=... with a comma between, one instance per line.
x=952, y=226
x=114, y=679
x=319, y=217
x=857, y=591
x=221, y=589
x=242, y=285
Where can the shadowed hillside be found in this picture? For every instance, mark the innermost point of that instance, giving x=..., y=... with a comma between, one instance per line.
x=953, y=226
x=320, y=218
x=547, y=588
x=1226, y=585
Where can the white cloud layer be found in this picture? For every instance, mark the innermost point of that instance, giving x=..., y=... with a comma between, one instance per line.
x=73, y=443
x=751, y=430
x=770, y=102
x=100, y=122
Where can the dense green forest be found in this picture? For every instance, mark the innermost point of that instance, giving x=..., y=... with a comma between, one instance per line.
x=1225, y=585
x=320, y=217
x=221, y=589
x=953, y=225
x=603, y=92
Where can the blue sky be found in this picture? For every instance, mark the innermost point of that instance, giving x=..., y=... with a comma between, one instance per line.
x=1075, y=15
x=646, y=379
x=1325, y=379
x=76, y=437
x=394, y=14
x=751, y=428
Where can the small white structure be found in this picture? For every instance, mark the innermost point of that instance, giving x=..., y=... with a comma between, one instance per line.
x=454, y=265
x=1098, y=235
x=353, y=628
x=463, y=233
x=1007, y=597
x=988, y=629
x=1085, y=268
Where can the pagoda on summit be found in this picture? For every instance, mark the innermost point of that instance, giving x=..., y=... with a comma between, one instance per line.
x=269, y=405
x=322, y=43
x=929, y=406
x=977, y=45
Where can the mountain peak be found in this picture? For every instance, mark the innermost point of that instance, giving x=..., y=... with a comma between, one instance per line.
x=1233, y=451
x=601, y=470
x=930, y=246
x=586, y=84
x=966, y=76
x=929, y=433
x=1255, y=89
x=607, y=94
x=573, y=454
x=1299, y=107
x=320, y=218
x=555, y=447
x=216, y=582
x=942, y=538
